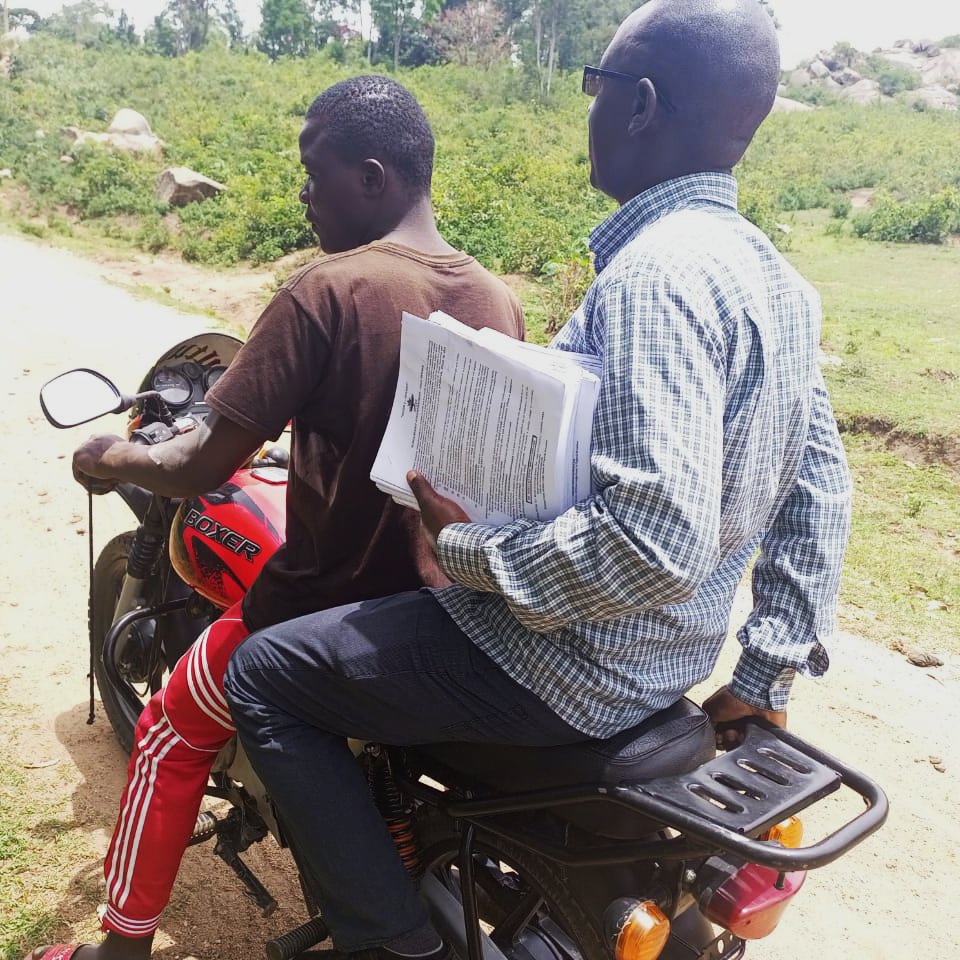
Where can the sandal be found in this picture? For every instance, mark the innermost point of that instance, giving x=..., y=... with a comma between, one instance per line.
x=59, y=951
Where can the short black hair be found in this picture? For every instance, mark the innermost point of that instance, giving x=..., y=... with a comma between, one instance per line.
x=374, y=116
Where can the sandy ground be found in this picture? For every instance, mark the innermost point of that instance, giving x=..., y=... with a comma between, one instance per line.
x=892, y=897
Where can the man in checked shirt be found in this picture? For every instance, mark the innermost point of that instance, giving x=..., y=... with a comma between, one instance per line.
x=713, y=441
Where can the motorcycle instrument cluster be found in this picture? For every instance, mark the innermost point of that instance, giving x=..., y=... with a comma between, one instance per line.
x=212, y=375
x=173, y=384
x=185, y=383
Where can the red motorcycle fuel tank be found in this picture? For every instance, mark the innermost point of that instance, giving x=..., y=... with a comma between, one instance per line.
x=220, y=541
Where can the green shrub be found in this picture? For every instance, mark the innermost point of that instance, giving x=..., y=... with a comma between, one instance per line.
x=154, y=235
x=921, y=220
x=892, y=77
x=564, y=285
x=805, y=193
x=840, y=206
x=758, y=207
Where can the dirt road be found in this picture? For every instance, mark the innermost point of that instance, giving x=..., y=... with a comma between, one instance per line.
x=892, y=899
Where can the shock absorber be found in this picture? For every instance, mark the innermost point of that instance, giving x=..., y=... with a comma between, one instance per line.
x=144, y=553
x=389, y=801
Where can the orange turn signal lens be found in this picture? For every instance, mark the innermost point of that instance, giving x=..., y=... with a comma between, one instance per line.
x=643, y=934
x=788, y=833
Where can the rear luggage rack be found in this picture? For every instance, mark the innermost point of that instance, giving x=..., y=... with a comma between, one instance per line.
x=750, y=788
x=722, y=805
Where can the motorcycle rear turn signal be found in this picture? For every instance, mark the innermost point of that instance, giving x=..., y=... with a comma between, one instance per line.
x=640, y=929
x=788, y=833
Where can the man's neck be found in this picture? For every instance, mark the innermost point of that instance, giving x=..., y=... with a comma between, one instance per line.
x=418, y=230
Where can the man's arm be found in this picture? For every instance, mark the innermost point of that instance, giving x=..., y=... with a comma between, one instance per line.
x=650, y=535
x=796, y=577
x=187, y=465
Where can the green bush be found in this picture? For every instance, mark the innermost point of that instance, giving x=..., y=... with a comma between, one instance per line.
x=921, y=220
x=840, y=206
x=892, y=77
x=805, y=193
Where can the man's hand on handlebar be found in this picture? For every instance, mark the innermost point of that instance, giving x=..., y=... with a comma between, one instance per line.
x=435, y=511
x=724, y=710
x=88, y=470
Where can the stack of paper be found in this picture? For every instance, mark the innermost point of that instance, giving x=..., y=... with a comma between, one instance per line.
x=500, y=426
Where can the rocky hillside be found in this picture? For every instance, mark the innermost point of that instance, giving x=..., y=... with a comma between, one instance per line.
x=923, y=73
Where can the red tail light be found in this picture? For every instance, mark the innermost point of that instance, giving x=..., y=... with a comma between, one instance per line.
x=749, y=903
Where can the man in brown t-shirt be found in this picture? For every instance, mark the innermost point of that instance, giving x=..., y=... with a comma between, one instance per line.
x=324, y=355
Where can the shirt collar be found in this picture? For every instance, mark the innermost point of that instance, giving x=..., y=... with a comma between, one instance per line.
x=620, y=228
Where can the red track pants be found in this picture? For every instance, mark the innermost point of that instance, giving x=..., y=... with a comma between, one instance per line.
x=177, y=739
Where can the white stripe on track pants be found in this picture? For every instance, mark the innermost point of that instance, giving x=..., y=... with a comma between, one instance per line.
x=177, y=739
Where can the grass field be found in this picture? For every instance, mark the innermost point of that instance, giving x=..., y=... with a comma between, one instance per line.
x=891, y=336
x=892, y=333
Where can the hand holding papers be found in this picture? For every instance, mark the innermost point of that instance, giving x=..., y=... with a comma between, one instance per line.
x=500, y=426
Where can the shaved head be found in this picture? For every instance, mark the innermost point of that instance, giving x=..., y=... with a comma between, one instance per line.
x=714, y=64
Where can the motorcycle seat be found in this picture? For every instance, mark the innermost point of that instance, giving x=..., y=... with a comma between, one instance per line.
x=671, y=741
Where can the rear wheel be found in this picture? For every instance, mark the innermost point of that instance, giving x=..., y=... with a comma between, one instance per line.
x=523, y=901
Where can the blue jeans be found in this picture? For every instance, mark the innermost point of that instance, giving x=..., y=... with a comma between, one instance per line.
x=397, y=671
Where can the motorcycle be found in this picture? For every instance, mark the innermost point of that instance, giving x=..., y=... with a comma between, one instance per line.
x=642, y=846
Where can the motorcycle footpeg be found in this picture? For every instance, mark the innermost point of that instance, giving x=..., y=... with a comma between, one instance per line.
x=206, y=827
x=297, y=941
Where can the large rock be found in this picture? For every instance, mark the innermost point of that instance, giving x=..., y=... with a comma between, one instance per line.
x=863, y=92
x=934, y=96
x=128, y=131
x=131, y=123
x=847, y=77
x=943, y=69
x=818, y=69
x=179, y=186
x=800, y=78
x=786, y=105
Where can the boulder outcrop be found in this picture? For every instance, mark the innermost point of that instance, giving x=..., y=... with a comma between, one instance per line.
x=786, y=105
x=128, y=130
x=847, y=73
x=179, y=186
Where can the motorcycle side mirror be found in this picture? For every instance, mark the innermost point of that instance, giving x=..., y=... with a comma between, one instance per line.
x=79, y=396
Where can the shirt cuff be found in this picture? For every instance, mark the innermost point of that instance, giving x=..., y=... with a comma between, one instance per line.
x=460, y=551
x=762, y=683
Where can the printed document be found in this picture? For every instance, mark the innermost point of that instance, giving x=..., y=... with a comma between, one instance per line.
x=500, y=426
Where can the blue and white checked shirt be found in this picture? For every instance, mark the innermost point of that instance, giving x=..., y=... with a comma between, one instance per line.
x=713, y=436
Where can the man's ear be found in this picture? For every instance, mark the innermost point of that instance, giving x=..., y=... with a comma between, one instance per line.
x=644, y=107
x=373, y=176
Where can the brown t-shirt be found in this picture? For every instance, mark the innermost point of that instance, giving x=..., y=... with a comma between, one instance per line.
x=325, y=355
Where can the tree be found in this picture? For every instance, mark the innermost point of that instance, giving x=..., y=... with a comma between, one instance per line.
x=24, y=17
x=191, y=20
x=229, y=17
x=124, y=31
x=473, y=33
x=391, y=18
x=86, y=23
x=161, y=37
x=183, y=26
x=286, y=28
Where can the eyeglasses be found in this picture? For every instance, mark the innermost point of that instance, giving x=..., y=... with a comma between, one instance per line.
x=593, y=78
